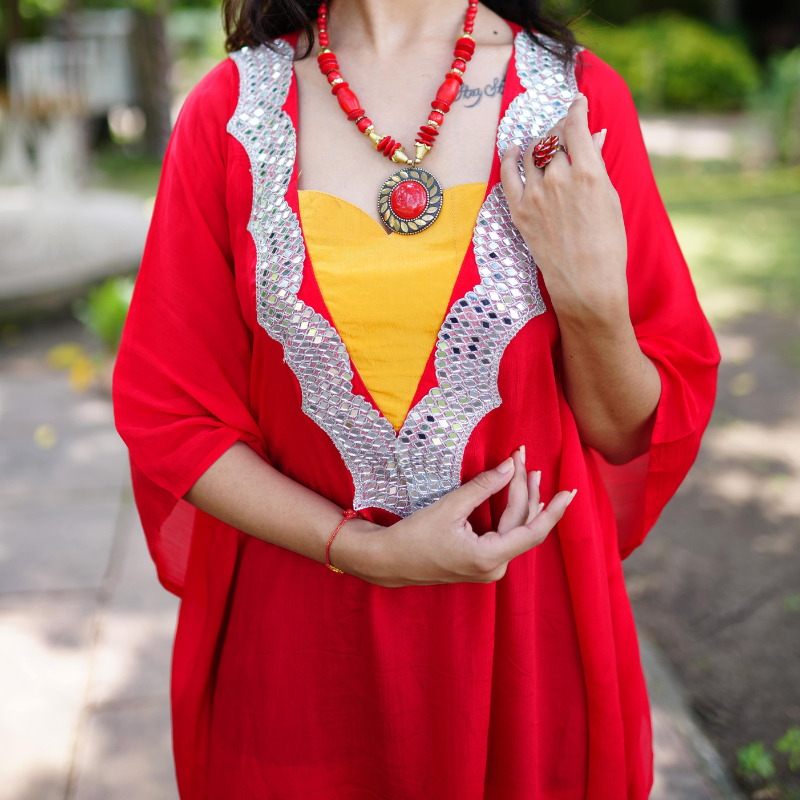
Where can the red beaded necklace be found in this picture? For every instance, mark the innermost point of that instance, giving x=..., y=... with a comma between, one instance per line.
x=410, y=200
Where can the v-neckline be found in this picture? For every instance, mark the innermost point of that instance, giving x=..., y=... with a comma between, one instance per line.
x=456, y=293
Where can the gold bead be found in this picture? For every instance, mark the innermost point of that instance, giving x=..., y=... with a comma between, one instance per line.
x=466, y=35
x=399, y=157
x=324, y=50
x=455, y=71
x=420, y=151
x=376, y=138
x=368, y=130
x=337, y=81
x=432, y=123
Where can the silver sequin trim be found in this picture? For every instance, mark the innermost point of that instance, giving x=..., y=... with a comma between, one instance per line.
x=550, y=90
x=408, y=471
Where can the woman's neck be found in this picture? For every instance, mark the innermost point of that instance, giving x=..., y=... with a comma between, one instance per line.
x=384, y=27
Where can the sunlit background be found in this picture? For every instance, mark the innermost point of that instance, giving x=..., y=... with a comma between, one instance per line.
x=89, y=90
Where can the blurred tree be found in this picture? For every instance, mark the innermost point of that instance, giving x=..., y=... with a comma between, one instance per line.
x=152, y=63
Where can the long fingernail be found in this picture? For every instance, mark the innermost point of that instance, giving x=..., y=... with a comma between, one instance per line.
x=537, y=477
x=541, y=506
x=603, y=137
x=572, y=496
x=506, y=466
x=522, y=454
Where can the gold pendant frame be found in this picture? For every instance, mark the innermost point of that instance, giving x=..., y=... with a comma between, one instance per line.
x=423, y=220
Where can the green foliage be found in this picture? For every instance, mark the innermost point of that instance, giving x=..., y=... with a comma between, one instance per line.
x=104, y=310
x=791, y=602
x=754, y=761
x=781, y=99
x=676, y=63
x=790, y=743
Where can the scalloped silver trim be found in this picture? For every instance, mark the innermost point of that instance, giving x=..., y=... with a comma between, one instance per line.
x=405, y=472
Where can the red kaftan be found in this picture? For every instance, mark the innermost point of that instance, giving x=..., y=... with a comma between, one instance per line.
x=291, y=681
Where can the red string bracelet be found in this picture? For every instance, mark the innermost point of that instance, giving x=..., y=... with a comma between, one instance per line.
x=348, y=515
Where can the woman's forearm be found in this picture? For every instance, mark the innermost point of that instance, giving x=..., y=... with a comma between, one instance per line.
x=611, y=386
x=433, y=545
x=240, y=488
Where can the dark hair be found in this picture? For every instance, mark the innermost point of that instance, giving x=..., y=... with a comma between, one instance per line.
x=254, y=22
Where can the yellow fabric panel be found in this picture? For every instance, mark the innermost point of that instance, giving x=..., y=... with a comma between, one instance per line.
x=388, y=293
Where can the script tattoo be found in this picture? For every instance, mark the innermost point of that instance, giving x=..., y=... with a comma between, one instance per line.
x=473, y=96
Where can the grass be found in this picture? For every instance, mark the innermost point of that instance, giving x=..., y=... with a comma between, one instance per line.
x=739, y=232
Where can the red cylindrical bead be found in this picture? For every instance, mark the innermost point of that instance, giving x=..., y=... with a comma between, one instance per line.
x=363, y=124
x=440, y=105
x=459, y=64
x=354, y=115
x=327, y=62
x=436, y=117
x=347, y=98
x=333, y=75
x=448, y=91
x=426, y=137
x=428, y=131
x=465, y=43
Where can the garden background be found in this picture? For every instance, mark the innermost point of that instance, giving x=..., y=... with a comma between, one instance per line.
x=88, y=92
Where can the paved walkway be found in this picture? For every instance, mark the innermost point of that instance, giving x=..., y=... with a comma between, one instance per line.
x=86, y=631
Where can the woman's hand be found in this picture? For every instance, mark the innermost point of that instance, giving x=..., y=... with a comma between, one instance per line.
x=438, y=545
x=571, y=220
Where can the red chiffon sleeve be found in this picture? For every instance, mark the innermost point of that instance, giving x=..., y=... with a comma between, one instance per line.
x=669, y=323
x=182, y=377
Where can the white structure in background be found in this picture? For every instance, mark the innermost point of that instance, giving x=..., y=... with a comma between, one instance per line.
x=54, y=86
x=56, y=237
x=730, y=137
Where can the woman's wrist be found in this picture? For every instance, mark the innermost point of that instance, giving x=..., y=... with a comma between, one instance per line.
x=357, y=548
x=597, y=312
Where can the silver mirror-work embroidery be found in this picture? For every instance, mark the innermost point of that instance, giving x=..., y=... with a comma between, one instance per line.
x=402, y=472
x=549, y=93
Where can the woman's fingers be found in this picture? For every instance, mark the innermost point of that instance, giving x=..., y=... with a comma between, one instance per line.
x=504, y=547
x=516, y=511
x=577, y=138
x=470, y=495
x=599, y=139
x=534, y=479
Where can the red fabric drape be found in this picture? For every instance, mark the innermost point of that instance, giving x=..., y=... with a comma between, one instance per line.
x=291, y=681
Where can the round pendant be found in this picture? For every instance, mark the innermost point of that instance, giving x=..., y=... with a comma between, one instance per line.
x=410, y=200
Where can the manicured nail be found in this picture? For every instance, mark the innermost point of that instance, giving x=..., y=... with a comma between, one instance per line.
x=522, y=454
x=572, y=496
x=603, y=137
x=541, y=506
x=506, y=466
x=537, y=477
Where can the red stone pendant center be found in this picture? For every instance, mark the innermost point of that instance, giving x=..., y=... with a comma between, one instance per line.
x=409, y=199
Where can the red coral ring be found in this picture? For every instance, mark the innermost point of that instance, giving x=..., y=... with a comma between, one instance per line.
x=544, y=151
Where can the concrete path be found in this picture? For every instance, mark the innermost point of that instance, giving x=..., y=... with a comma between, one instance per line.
x=86, y=631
